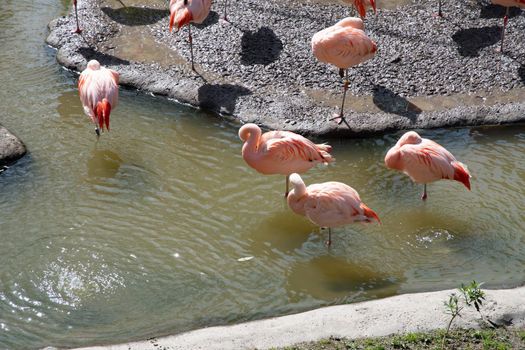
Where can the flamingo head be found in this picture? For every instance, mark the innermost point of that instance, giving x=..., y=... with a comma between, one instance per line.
x=247, y=130
x=93, y=65
x=297, y=194
x=409, y=138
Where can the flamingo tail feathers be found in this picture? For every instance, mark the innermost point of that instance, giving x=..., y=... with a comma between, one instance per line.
x=181, y=18
x=370, y=214
x=461, y=174
x=373, y=3
x=325, y=150
x=102, y=112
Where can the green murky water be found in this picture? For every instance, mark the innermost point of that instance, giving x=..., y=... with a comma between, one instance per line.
x=141, y=233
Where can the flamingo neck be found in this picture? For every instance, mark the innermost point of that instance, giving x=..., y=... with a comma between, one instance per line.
x=253, y=139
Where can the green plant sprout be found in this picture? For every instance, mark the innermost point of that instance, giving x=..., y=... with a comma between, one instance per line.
x=472, y=296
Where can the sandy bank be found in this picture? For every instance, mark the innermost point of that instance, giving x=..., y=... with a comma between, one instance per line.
x=258, y=68
x=399, y=314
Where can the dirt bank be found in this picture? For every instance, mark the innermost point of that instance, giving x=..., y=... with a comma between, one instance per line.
x=428, y=72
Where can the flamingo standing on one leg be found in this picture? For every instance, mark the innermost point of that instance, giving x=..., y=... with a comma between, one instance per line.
x=78, y=30
x=187, y=11
x=98, y=89
x=507, y=4
x=425, y=161
x=281, y=152
x=344, y=45
x=328, y=204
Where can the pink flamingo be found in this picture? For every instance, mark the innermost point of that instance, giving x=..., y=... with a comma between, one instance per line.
x=328, y=204
x=281, y=152
x=78, y=30
x=98, y=90
x=507, y=4
x=344, y=45
x=187, y=11
x=425, y=161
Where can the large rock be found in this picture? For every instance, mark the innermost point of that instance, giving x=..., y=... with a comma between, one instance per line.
x=11, y=148
x=259, y=68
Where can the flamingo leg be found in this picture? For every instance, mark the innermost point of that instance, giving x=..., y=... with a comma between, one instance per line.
x=287, y=186
x=225, y=6
x=78, y=30
x=505, y=20
x=345, y=88
x=329, y=242
x=191, y=46
x=424, y=195
x=440, y=14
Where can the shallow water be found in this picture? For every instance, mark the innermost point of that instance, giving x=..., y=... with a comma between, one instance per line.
x=160, y=227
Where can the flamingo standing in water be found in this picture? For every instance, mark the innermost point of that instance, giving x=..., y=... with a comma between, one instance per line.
x=328, y=204
x=98, y=90
x=281, y=152
x=425, y=161
x=344, y=45
x=508, y=4
x=184, y=12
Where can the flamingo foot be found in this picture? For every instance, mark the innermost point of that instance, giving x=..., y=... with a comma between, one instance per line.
x=77, y=31
x=438, y=15
x=328, y=243
x=97, y=131
x=338, y=118
x=424, y=196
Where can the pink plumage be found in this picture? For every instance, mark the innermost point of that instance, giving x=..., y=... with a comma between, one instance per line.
x=425, y=161
x=510, y=3
x=281, y=152
x=328, y=204
x=344, y=44
x=182, y=12
x=98, y=90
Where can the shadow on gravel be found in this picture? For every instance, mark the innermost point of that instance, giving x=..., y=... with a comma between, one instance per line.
x=213, y=17
x=497, y=11
x=521, y=73
x=104, y=59
x=470, y=41
x=260, y=47
x=221, y=97
x=135, y=16
x=390, y=102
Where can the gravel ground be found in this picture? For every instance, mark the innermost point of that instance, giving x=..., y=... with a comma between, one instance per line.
x=259, y=67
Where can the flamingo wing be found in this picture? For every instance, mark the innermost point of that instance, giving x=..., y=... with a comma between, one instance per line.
x=284, y=146
x=332, y=204
x=343, y=47
x=430, y=156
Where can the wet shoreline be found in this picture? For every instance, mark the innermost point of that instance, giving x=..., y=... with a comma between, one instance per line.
x=258, y=67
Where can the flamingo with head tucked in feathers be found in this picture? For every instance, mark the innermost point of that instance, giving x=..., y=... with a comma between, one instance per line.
x=328, y=204
x=98, y=90
x=281, y=152
x=425, y=161
x=508, y=4
x=344, y=45
x=185, y=12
